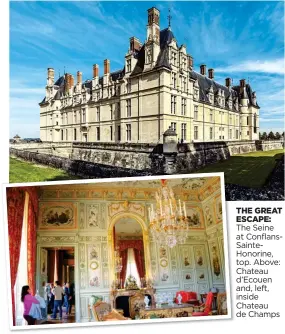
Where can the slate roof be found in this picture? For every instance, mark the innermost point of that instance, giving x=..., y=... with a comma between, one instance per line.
x=166, y=37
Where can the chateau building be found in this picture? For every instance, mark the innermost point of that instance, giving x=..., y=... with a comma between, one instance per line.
x=157, y=89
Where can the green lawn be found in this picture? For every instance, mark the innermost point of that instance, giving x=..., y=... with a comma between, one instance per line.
x=22, y=171
x=249, y=169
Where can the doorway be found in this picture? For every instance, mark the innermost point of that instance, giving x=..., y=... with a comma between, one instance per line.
x=58, y=264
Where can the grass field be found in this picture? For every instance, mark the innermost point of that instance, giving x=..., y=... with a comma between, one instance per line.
x=249, y=169
x=22, y=171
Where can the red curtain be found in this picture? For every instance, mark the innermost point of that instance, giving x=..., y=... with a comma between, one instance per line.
x=124, y=256
x=15, y=213
x=32, y=237
x=139, y=262
x=125, y=244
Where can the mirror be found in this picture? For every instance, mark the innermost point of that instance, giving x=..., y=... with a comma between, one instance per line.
x=129, y=258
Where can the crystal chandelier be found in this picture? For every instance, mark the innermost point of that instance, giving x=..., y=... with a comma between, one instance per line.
x=118, y=261
x=168, y=223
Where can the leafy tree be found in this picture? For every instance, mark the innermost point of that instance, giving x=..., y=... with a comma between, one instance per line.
x=277, y=135
x=263, y=136
x=271, y=135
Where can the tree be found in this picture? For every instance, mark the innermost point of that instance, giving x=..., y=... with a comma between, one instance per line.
x=263, y=136
x=271, y=135
x=277, y=135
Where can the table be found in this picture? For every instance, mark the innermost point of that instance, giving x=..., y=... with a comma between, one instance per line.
x=167, y=311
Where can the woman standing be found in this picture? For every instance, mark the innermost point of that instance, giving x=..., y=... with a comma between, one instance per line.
x=28, y=300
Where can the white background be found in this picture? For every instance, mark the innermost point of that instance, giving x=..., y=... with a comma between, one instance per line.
x=234, y=325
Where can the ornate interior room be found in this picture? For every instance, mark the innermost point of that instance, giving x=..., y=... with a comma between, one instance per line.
x=142, y=249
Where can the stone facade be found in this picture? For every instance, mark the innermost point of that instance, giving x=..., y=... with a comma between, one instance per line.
x=156, y=89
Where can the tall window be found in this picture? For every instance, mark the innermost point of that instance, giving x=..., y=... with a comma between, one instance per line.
x=230, y=133
x=118, y=110
x=184, y=84
x=66, y=134
x=98, y=133
x=61, y=134
x=129, y=111
x=255, y=123
x=119, y=132
x=236, y=134
x=183, y=131
x=195, y=132
x=83, y=116
x=74, y=116
x=129, y=68
x=211, y=133
x=196, y=113
x=98, y=95
x=128, y=86
x=128, y=130
x=98, y=114
x=211, y=116
x=183, y=106
x=173, y=126
x=247, y=120
x=111, y=133
x=230, y=119
x=173, y=104
x=132, y=267
x=174, y=80
x=74, y=132
x=111, y=111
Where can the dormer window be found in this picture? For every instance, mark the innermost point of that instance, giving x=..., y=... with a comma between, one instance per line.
x=174, y=58
x=184, y=80
x=98, y=95
x=196, y=94
x=84, y=98
x=128, y=86
x=129, y=65
x=184, y=62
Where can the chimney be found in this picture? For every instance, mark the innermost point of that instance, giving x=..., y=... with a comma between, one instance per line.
x=135, y=44
x=211, y=73
x=153, y=16
x=203, y=69
x=79, y=77
x=50, y=76
x=106, y=66
x=242, y=83
x=71, y=81
x=228, y=82
x=95, y=70
x=68, y=80
x=190, y=62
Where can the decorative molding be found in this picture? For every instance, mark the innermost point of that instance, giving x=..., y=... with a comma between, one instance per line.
x=126, y=206
x=61, y=239
x=83, y=238
x=81, y=215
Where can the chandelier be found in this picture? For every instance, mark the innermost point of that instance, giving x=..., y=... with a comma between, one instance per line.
x=118, y=261
x=168, y=223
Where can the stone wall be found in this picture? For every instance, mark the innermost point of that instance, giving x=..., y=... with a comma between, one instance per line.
x=127, y=159
x=79, y=168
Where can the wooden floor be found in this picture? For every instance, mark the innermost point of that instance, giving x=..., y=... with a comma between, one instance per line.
x=65, y=319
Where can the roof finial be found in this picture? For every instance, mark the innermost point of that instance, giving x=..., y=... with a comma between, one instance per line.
x=169, y=19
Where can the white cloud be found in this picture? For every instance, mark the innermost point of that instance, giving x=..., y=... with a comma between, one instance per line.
x=275, y=66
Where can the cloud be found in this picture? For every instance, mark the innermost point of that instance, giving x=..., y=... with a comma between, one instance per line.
x=275, y=66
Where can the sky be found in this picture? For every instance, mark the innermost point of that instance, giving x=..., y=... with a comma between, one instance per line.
x=238, y=39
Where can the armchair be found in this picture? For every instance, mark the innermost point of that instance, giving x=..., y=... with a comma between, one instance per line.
x=103, y=312
x=206, y=308
x=136, y=303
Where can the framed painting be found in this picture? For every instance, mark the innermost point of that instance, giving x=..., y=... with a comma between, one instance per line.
x=57, y=216
x=43, y=262
x=194, y=217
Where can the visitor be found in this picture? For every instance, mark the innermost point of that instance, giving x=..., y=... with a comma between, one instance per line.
x=51, y=299
x=66, y=298
x=58, y=294
x=71, y=300
x=28, y=300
